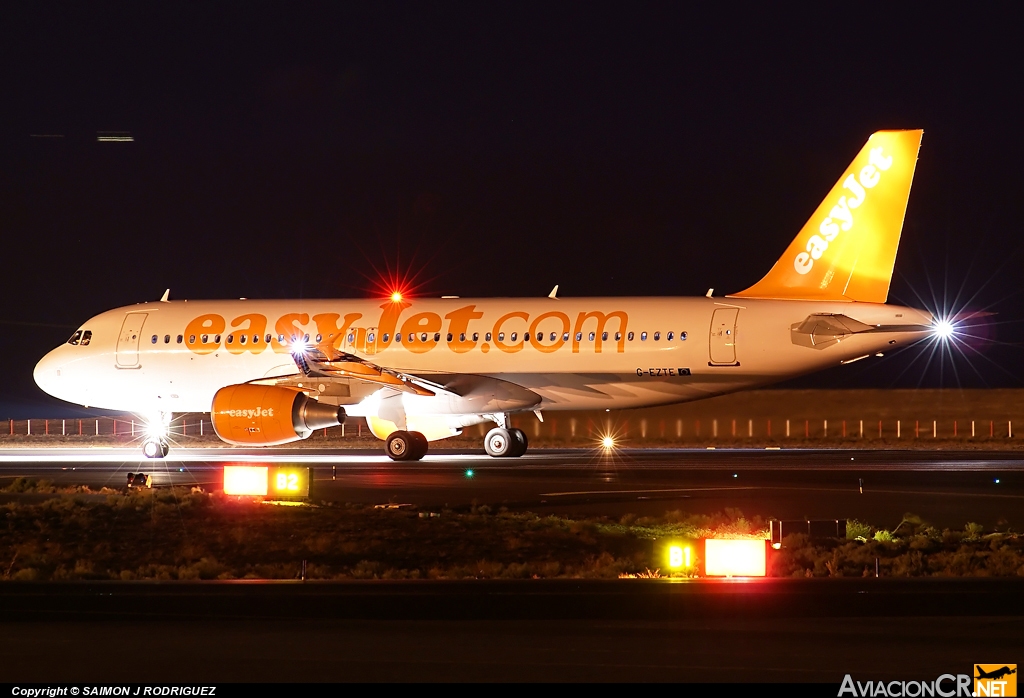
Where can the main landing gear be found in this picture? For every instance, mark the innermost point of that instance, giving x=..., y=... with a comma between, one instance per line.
x=505, y=443
x=406, y=445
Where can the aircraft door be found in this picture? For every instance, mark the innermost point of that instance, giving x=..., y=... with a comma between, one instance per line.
x=723, y=337
x=127, y=355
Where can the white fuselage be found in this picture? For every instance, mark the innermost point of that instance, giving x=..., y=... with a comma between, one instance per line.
x=580, y=353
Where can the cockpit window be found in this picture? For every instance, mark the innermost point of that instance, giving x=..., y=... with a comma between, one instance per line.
x=75, y=337
x=86, y=338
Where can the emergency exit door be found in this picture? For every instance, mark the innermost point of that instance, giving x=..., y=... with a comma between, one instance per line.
x=723, y=337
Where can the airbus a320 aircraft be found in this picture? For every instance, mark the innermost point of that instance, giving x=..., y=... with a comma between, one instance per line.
x=271, y=372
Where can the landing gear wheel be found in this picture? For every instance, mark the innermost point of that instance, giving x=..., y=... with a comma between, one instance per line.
x=499, y=443
x=519, y=443
x=420, y=445
x=155, y=449
x=400, y=445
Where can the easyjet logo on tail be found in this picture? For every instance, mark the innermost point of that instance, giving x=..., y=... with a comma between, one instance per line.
x=840, y=218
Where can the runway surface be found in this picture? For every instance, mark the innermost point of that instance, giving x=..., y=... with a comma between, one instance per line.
x=948, y=489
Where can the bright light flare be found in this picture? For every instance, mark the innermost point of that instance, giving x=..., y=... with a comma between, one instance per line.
x=608, y=442
x=155, y=430
x=944, y=329
x=245, y=480
x=396, y=297
x=735, y=557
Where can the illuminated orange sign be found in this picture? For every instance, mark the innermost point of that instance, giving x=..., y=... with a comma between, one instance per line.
x=735, y=558
x=273, y=482
x=245, y=480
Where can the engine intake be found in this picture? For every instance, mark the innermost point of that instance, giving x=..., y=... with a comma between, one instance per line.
x=268, y=415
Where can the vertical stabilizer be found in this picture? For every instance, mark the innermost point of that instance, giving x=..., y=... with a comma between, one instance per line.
x=846, y=251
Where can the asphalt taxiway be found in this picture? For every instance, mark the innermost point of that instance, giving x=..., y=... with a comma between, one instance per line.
x=947, y=489
x=615, y=630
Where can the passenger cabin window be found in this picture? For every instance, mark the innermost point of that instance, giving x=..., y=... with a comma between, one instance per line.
x=501, y=336
x=387, y=336
x=487, y=337
x=514, y=336
x=217, y=339
x=553, y=336
x=86, y=338
x=305, y=339
x=268, y=338
x=565, y=336
x=243, y=339
x=462, y=336
x=669, y=337
x=476, y=336
x=319, y=338
x=154, y=339
x=629, y=336
x=579, y=336
x=167, y=339
x=604, y=336
x=370, y=337
x=591, y=336
x=191, y=339
x=643, y=336
x=437, y=336
x=450, y=337
x=618, y=336
x=682, y=336
x=231, y=339
x=657, y=336
x=398, y=337
x=75, y=337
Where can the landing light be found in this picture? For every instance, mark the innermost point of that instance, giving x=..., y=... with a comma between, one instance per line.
x=608, y=443
x=944, y=329
x=396, y=297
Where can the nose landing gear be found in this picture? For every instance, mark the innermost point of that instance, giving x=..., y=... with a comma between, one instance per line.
x=155, y=448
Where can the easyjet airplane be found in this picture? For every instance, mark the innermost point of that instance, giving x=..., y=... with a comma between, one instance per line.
x=420, y=370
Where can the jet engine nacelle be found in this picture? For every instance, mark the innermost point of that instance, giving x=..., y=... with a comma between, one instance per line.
x=267, y=415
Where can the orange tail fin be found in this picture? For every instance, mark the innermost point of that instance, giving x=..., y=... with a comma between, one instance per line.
x=846, y=251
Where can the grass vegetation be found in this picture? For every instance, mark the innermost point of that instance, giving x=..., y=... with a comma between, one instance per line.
x=174, y=534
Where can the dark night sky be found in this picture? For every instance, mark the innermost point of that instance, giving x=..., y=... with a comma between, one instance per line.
x=491, y=150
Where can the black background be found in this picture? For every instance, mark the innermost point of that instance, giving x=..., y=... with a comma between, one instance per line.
x=308, y=150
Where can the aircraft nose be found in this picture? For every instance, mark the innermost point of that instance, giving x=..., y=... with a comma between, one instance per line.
x=47, y=371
